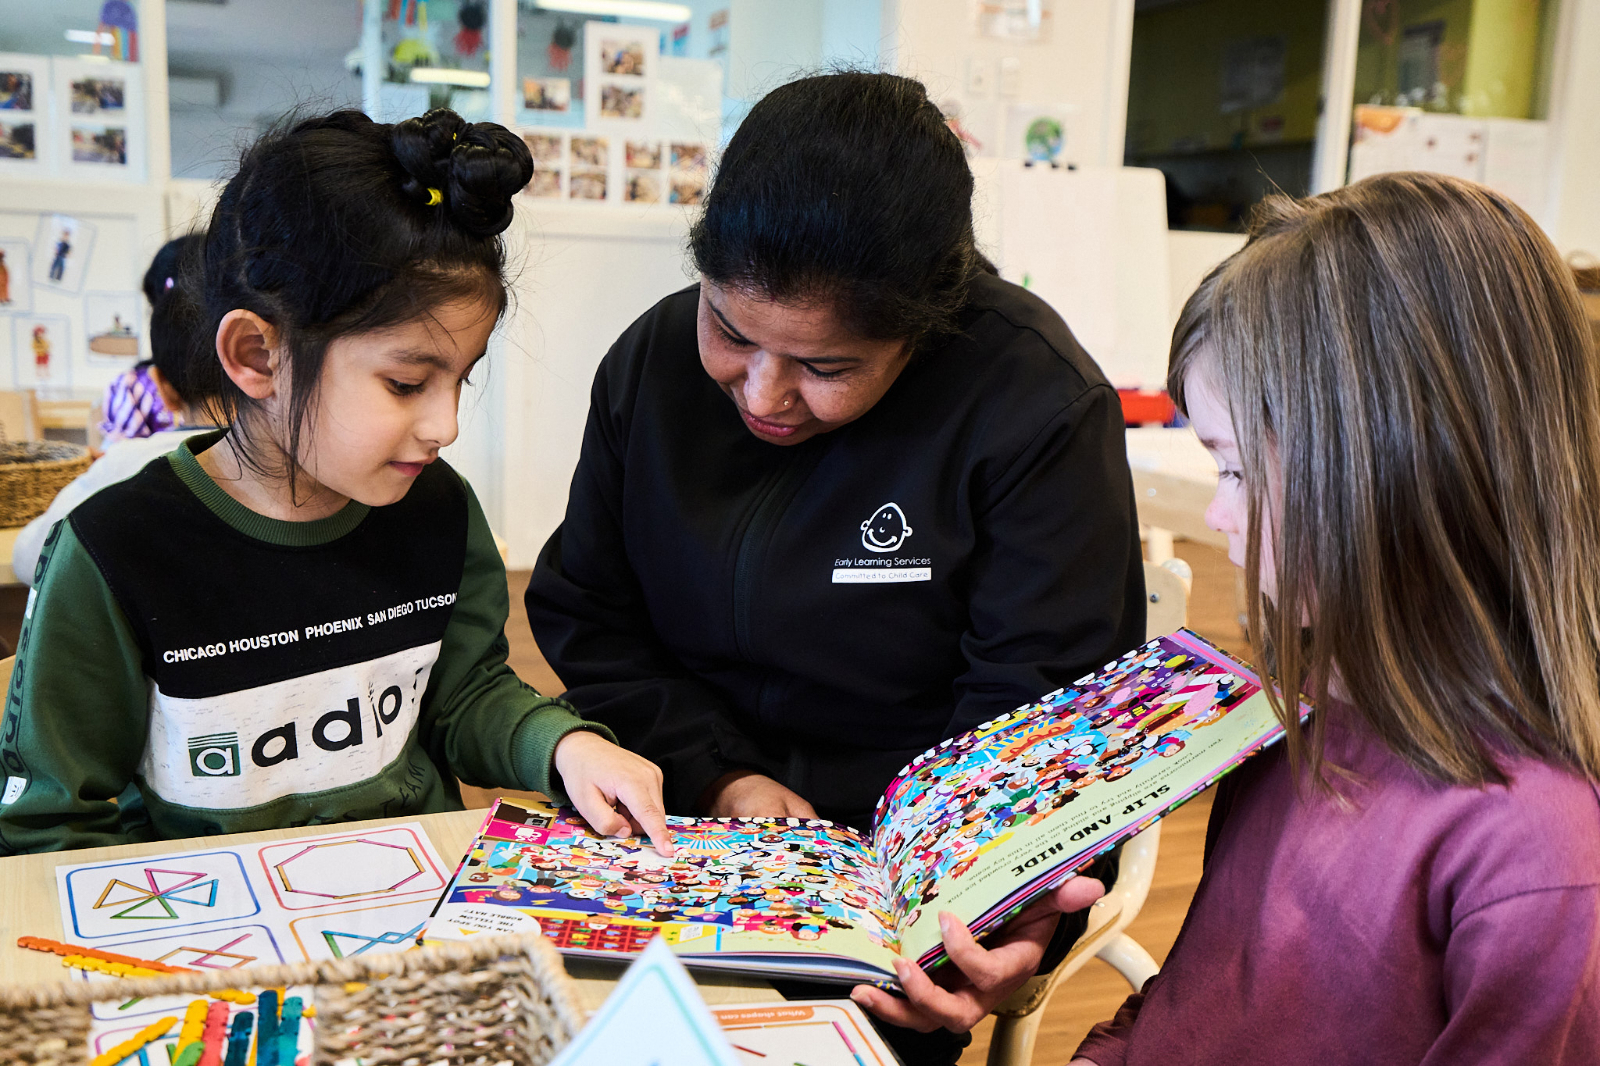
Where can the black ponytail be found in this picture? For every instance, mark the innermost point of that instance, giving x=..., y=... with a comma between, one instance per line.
x=339, y=225
x=847, y=188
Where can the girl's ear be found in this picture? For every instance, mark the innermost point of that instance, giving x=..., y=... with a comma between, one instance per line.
x=247, y=345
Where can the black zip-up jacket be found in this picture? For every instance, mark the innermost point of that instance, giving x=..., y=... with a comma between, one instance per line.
x=823, y=612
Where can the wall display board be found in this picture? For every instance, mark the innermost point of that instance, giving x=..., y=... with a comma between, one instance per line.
x=70, y=316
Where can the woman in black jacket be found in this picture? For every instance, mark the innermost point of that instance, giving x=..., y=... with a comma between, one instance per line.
x=848, y=496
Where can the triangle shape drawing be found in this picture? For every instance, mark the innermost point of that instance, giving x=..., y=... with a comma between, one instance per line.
x=201, y=895
x=164, y=881
x=117, y=893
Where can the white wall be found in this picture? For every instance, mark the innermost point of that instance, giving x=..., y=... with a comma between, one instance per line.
x=1575, y=131
x=1082, y=64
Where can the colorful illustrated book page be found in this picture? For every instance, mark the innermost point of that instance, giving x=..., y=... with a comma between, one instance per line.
x=304, y=899
x=980, y=825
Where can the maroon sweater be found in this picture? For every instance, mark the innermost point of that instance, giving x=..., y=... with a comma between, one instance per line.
x=1412, y=923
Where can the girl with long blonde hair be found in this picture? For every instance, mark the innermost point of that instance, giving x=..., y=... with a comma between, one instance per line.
x=1401, y=391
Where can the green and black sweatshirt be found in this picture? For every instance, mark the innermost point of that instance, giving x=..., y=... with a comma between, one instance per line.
x=190, y=667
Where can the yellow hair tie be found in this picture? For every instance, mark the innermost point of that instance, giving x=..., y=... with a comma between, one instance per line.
x=435, y=197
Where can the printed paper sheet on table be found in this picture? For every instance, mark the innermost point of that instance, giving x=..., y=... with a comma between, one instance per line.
x=304, y=899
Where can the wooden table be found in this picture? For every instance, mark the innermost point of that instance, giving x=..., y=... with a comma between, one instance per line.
x=8, y=541
x=29, y=905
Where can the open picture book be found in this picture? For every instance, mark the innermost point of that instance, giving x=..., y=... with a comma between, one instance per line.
x=981, y=825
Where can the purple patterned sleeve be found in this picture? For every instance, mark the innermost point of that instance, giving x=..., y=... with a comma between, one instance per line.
x=133, y=407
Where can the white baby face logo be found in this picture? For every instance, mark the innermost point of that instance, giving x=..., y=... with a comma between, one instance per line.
x=886, y=530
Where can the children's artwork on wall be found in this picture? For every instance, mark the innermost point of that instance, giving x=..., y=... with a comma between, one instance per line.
x=64, y=246
x=99, y=110
x=24, y=115
x=643, y=155
x=547, y=94
x=113, y=322
x=16, y=283
x=622, y=56
x=41, y=352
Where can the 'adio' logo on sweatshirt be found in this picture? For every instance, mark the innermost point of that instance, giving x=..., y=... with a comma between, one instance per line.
x=886, y=530
x=218, y=755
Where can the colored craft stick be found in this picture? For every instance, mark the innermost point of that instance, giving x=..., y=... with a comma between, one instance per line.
x=39, y=943
x=267, y=1028
x=846, y=1038
x=189, y=1056
x=289, y=1032
x=239, y=1039
x=194, y=1024
x=215, y=1037
x=135, y=1043
x=109, y=962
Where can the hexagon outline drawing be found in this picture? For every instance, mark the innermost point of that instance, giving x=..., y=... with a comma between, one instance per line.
x=315, y=871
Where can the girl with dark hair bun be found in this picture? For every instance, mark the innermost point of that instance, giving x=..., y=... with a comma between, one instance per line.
x=300, y=618
x=849, y=495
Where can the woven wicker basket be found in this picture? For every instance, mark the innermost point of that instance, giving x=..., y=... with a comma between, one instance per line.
x=32, y=472
x=484, y=1001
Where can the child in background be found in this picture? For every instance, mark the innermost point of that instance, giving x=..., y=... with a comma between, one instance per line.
x=183, y=392
x=135, y=405
x=1398, y=384
x=300, y=619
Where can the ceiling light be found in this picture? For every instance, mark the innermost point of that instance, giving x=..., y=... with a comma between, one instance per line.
x=653, y=10
x=472, y=79
x=90, y=37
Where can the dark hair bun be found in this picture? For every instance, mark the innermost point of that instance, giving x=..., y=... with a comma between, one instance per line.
x=477, y=168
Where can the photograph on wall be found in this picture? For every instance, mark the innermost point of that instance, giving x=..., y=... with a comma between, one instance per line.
x=24, y=113
x=16, y=90
x=643, y=155
x=587, y=184
x=41, y=355
x=643, y=187
x=544, y=185
x=112, y=322
x=622, y=56
x=61, y=249
x=16, y=286
x=99, y=119
x=591, y=152
x=545, y=148
x=96, y=143
x=90, y=96
x=620, y=101
x=547, y=94
x=18, y=139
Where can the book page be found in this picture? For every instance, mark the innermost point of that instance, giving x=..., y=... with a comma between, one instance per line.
x=981, y=822
x=733, y=886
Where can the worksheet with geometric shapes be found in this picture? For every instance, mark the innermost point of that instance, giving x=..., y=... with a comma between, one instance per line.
x=298, y=900
x=824, y=1032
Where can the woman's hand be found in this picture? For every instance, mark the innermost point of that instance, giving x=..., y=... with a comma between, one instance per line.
x=617, y=792
x=980, y=979
x=747, y=794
